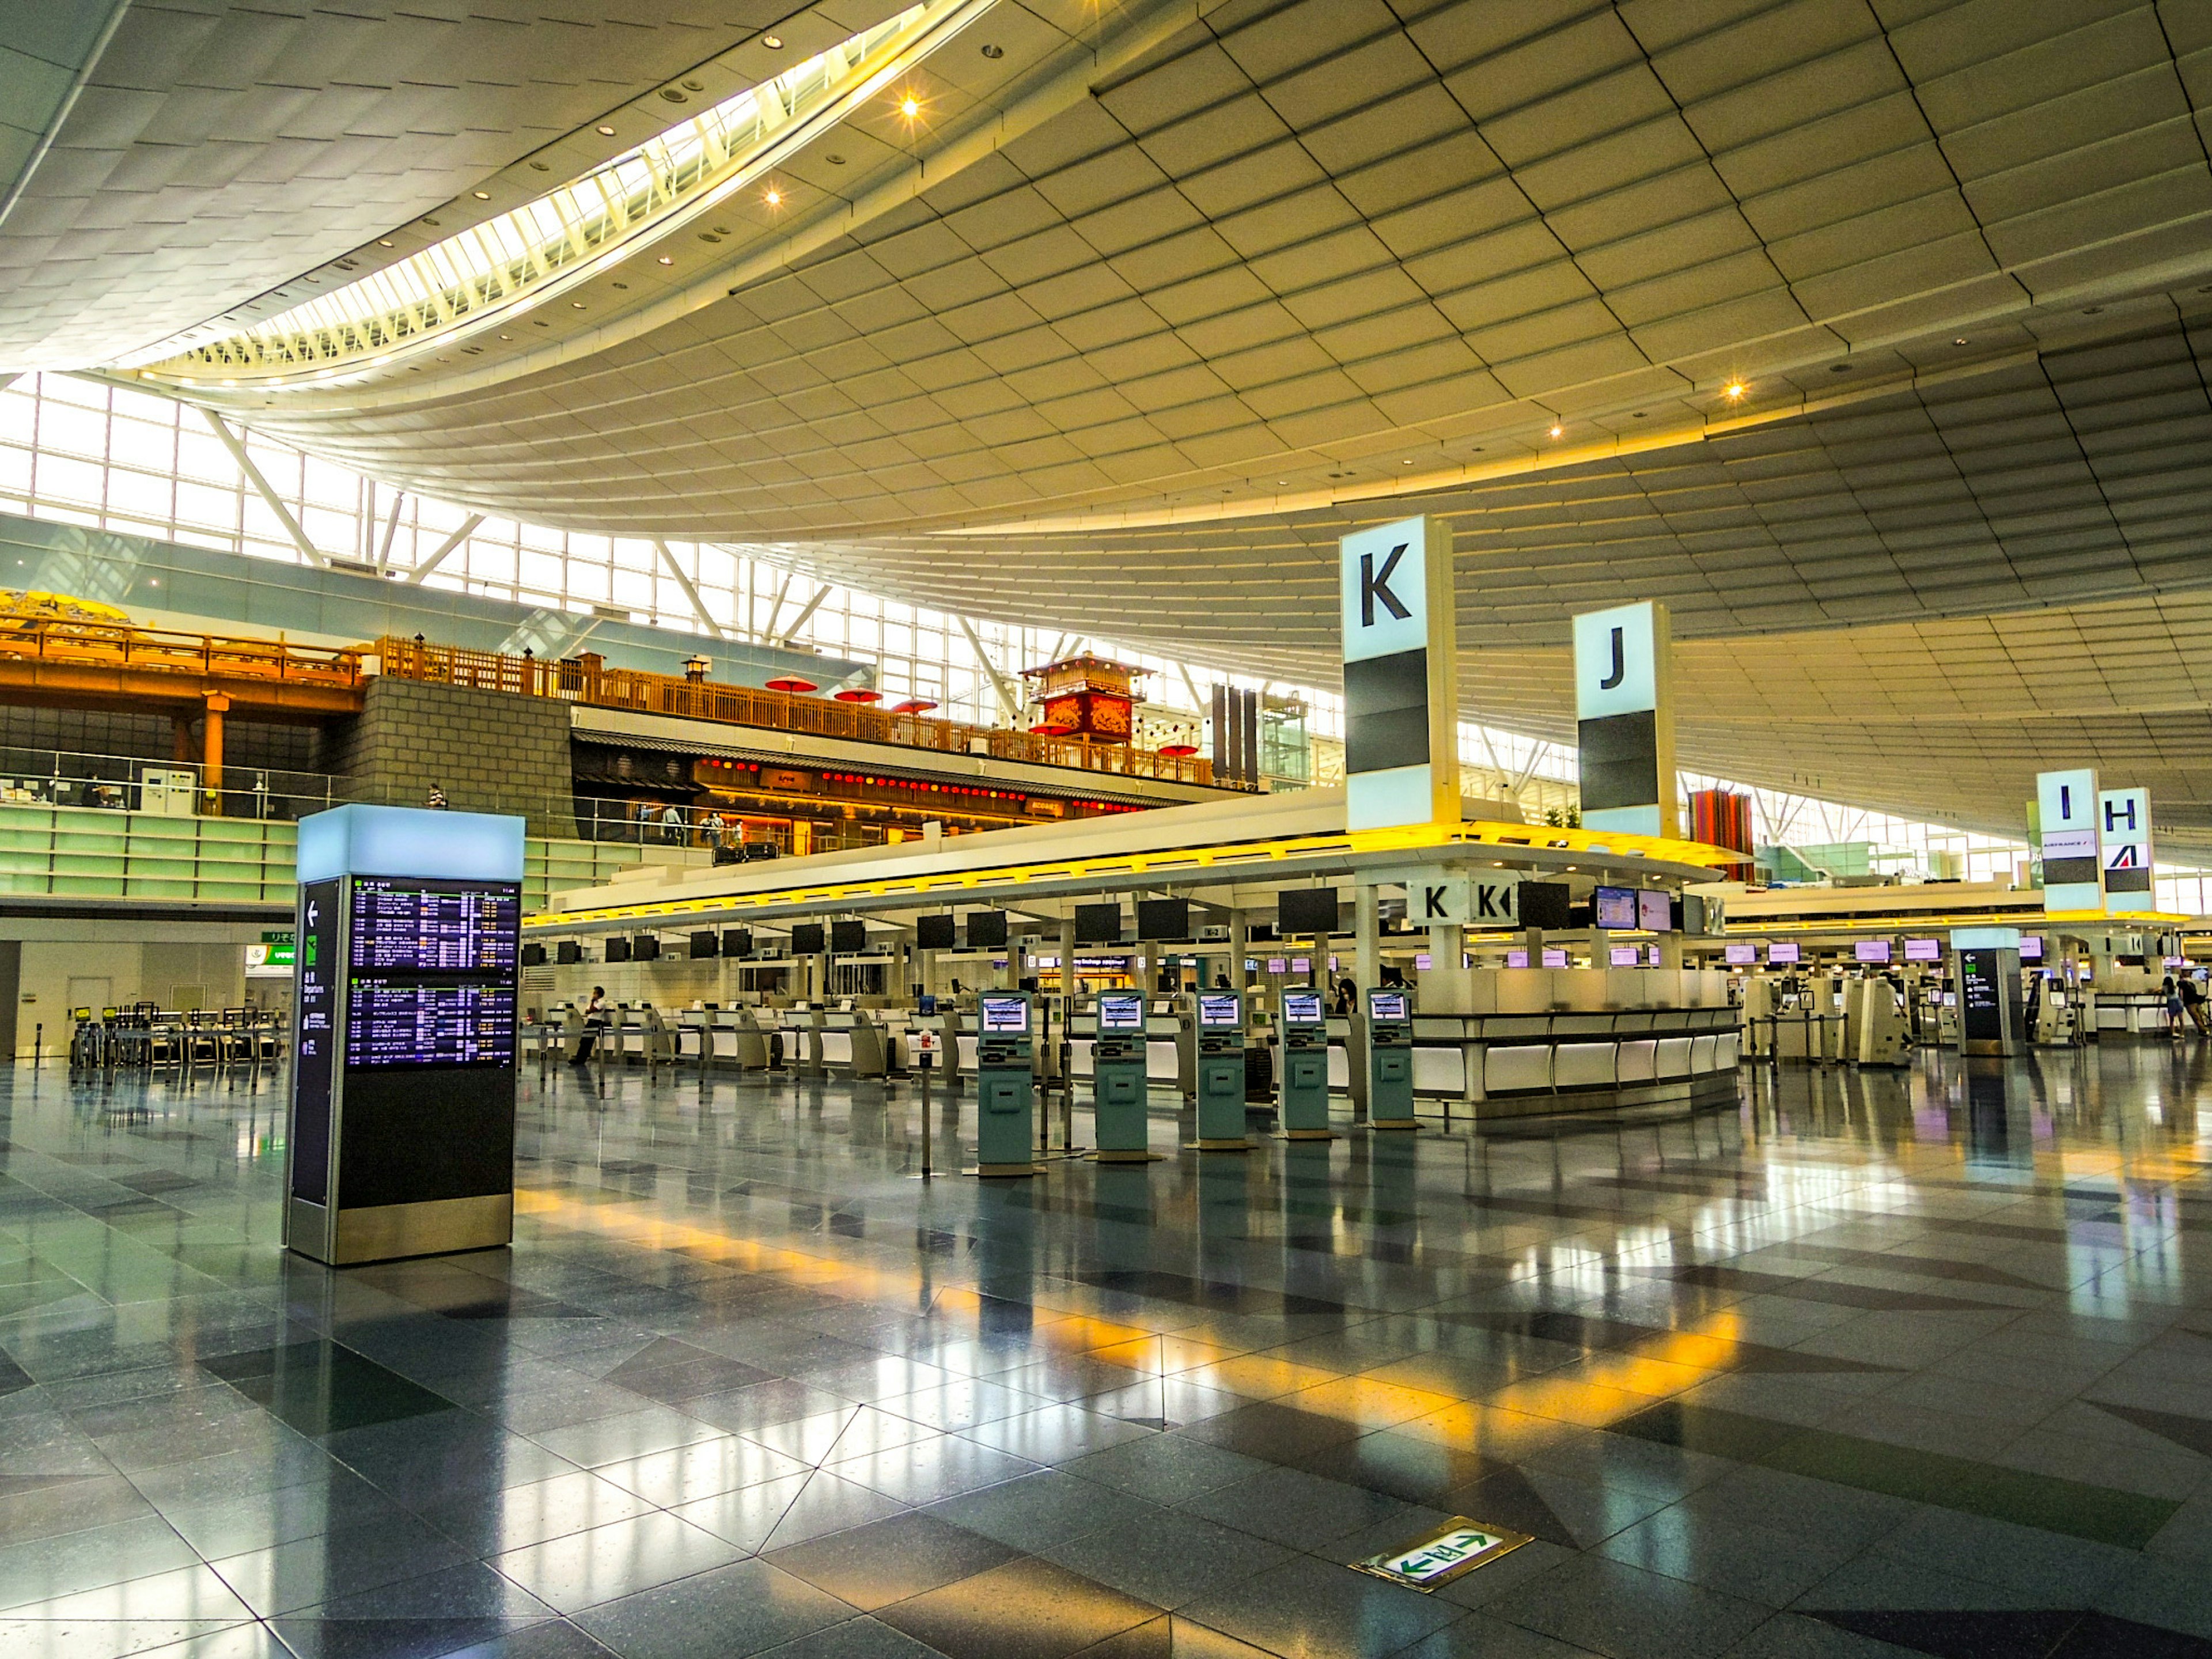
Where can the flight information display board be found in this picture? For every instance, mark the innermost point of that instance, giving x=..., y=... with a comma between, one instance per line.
x=434, y=926
x=314, y=969
x=419, y=1022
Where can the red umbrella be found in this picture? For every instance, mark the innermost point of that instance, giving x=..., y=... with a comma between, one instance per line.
x=792, y=683
x=857, y=694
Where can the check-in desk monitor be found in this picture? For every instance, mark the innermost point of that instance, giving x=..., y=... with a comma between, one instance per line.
x=403, y=1102
x=1004, y=1082
x=1220, y=1070
x=1390, y=1060
x=1303, y=1065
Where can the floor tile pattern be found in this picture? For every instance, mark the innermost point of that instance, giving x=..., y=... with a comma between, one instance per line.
x=1876, y=1362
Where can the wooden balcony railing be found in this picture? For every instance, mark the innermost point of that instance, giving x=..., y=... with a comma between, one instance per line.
x=601, y=687
x=155, y=650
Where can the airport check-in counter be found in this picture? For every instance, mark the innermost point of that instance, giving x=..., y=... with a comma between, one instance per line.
x=853, y=1043
x=1556, y=1039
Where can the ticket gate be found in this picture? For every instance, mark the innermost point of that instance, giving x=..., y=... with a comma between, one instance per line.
x=1301, y=1087
x=1119, y=1086
x=1218, y=1067
x=1005, y=1084
x=1389, y=1061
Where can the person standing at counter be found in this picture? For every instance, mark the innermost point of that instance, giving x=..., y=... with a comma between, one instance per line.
x=595, y=1015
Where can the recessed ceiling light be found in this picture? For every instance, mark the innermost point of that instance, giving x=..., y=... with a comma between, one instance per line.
x=772, y=42
x=540, y=166
x=622, y=285
x=775, y=197
x=1734, y=389
x=674, y=96
x=2092, y=311
x=429, y=221
x=507, y=336
x=607, y=132
x=910, y=106
x=481, y=194
x=1839, y=368
x=995, y=53
x=576, y=304
x=666, y=260
x=834, y=161
x=1637, y=416
x=384, y=241
x=1555, y=432
x=1962, y=340
x=696, y=85
x=1405, y=463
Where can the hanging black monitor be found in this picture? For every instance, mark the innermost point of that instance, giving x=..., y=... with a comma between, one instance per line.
x=848, y=937
x=1303, y=911
x=807, y=939
x=534, y=956
x=1544, y=903
x=702, y=945
x=645, y=947
x=1097, y=924
x=987, y=929
x=617, y=950
x=935, y=932
x=1163, y=919
x=737, y=941
x=568, y=950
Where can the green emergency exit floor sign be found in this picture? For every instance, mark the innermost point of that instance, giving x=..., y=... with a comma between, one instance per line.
x=1443, y=1554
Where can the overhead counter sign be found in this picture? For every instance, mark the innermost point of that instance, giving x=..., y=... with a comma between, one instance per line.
x=1624, y=720
x=2067, y=810
x=2125, y=849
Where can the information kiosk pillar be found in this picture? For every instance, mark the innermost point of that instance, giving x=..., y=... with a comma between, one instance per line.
x=1389, y=1061
x=1005, y=1084
x=1118, y=1085
x=402, y=1130
x=1219, y=1068
x=1304, y=1061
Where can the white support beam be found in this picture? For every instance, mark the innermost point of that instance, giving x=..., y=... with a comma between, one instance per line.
x=800, y=621
x=690, y=593
x=275, y=504
x=775, y=610
x=445, y=548
x=1007, y=700
x=1191, y=686
x=391, y=528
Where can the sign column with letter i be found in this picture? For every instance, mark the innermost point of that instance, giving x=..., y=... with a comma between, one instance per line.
x=2066, y=807
x=1624, y=720
x=2125, y=850
x=402, y=1137
x=1400, y=676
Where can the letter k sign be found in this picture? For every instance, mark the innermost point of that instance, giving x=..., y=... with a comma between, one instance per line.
x=1375, y=584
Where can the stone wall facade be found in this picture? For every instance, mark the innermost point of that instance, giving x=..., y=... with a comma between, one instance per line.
x=489, y=752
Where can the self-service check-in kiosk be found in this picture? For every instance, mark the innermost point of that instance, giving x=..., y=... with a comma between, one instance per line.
x=1389, y=1061
x=1220, y=1067
x=1006, y=1082
x=1303, y=1066
x=1118, y=1081
x=402, y=1125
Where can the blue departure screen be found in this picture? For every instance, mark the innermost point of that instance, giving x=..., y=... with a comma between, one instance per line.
x=432, y=973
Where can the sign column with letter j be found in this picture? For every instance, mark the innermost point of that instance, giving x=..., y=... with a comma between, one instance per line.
x=402, y=1136
x=1400, y=679
x=1624, y=720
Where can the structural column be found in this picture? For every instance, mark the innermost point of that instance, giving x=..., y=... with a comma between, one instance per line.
x=1367, y=941
x=1240, y=942
x=211, y=752
x=1067, y=962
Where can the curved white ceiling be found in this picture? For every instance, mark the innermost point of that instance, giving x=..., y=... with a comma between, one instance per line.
x=1153, y=303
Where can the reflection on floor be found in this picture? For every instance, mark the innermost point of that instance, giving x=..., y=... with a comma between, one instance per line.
x=1882, y=1362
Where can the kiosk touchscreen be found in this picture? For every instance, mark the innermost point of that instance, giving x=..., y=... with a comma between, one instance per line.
x=402, y=1111
x=1390, y=1059
x=1220, y=1070
x=1118, y=1083
x=1303, y=1090
x=1005, y=1084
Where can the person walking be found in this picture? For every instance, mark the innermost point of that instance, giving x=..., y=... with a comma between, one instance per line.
x=2192, y=1003
x=595, y=1015
x=715, y=826
x=2173, y=1008
x=671, y=824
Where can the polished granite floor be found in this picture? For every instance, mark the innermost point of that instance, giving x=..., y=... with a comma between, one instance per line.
x=1878, y=1363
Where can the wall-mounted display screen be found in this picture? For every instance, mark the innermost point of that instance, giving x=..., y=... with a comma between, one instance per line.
x=433, y=926
x=1220, y=1011
x=1622, y=956
x=1120, y=1010
x=1741, y=956
x=1871, y=949
x=1302, y=1008
x=1004, y=1016
x=1555, y=956
x=2031, y=947
x=1782, y=951
x=1386, y=1005
x=1655, y=911
x=1923, y=950
x=1614, y=906
x=1652, y=955
x=1516, y=959
x=1306, y=910
x=417, y=1022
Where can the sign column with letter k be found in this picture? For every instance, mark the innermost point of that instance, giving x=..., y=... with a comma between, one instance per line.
x=1400, y=693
